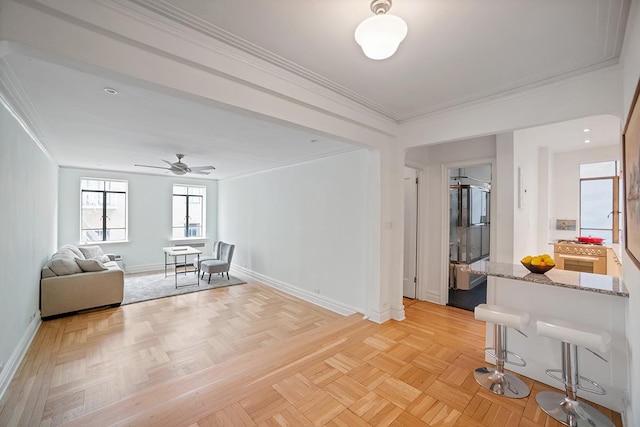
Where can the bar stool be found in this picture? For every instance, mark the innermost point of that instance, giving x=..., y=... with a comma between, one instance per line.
x=497, y=380
x=566, y=408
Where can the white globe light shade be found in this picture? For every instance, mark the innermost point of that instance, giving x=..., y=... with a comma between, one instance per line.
x=380, y=35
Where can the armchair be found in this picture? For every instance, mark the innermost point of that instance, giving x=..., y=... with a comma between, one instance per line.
x=222, y=265
x=215, y=254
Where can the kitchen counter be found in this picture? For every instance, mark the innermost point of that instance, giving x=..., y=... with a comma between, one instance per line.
x=562, y=278
x=591, y=300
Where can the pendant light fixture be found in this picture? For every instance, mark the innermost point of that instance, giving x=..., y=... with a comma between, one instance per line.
x=380, y=35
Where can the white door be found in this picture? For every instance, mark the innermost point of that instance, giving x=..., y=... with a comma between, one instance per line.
x=410, y=230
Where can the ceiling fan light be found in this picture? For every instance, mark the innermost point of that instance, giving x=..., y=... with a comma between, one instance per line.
x=379, y=36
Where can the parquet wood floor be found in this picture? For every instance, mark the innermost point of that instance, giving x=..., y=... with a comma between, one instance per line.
x=252, y=356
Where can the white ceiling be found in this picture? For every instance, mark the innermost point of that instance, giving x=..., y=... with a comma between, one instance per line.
x=456, y=52
x=83, y=126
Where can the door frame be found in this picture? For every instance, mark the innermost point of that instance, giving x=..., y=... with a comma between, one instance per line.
x=444, y=236
x=416, y=197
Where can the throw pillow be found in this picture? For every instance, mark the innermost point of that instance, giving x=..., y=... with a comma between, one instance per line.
x=94, y=252
x=63, y=265
x=90, y=265
x=74, y=249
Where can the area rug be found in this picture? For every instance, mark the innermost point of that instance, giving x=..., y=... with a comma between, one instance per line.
x=152, y=286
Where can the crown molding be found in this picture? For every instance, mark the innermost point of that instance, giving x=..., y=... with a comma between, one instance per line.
x=16, y=101
x=608, y=56
x=167, y=17
x=509, y=90
x=198, y=25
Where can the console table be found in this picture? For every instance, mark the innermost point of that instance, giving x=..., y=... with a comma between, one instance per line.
x=181, y=251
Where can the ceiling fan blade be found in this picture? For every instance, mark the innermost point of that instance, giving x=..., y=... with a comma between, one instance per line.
x=201, y=168
x=157, y=167
x=168, y=162
x=201, y=172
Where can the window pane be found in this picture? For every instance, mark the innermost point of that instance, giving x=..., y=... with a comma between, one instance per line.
x=91, y=210
x=116, y=185
x=116, y=211
x=596, y=170
x=114, y=234
x=180, y=189
x=195, y=216
x=196, y=191
x=92, y=235
x=91, y=184
x=179, y=212
x=596, y=203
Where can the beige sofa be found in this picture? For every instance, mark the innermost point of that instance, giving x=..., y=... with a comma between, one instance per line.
x=79, y=278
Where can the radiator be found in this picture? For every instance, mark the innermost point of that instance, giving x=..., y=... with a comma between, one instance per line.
x=193, y=245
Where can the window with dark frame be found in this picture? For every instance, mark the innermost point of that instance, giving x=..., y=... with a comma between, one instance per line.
x=188, y=211
x=600, y=196
x=103, y=210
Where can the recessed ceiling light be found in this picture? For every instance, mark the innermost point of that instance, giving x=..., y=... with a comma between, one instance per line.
x=586, y=141
x=587, y=129
x=110, y=91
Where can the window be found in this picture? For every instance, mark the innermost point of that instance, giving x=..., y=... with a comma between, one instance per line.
x=104, y=210
x=600, y=195
x=188, y=211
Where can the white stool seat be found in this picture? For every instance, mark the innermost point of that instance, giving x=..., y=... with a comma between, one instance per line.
x=502, y=316
x=574, y=334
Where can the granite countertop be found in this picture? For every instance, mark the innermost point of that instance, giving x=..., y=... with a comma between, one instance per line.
x=563, y=278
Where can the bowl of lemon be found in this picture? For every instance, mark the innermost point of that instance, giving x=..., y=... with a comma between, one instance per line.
x=538, y=264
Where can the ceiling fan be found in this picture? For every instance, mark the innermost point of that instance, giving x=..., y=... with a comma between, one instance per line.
x=179, y=168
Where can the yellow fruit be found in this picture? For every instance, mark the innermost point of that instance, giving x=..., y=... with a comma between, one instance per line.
x=550, y=262
x=536, y=260
x=526, y=259
x=545, y=256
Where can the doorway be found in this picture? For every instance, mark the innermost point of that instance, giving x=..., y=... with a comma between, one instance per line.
x=469, y=230
x=410, y=275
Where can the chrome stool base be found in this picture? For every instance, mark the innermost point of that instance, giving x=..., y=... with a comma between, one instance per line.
x=571, y=412
x=502, y=383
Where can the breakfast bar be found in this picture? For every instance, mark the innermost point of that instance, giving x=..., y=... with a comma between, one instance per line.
x=593, y=300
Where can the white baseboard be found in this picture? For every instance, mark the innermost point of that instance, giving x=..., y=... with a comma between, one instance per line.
x=432, y=297
x=385, y=314
x=145, y=268
x=379, y=316
x=397, y=313
x=320, y=300
x=10, y=369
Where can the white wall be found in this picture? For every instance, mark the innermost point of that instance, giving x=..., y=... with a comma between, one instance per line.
x=304, y=228
x=525, y=218
x=28, y=187
x=503, y=192
x=149, y=199
x=434, y=206
x=631, y=74
x=566, y=185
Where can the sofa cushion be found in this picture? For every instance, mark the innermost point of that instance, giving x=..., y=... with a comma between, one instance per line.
x=46, y=272
x=90, y=265
x=74, y=249
x=63, y=264
x=94, y=252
